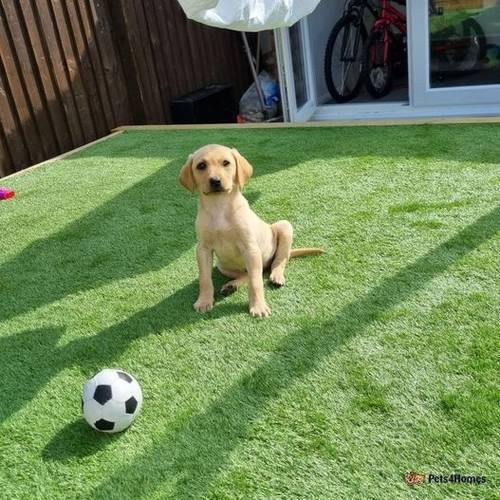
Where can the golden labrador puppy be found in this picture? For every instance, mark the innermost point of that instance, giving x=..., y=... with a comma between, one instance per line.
x=244, y=244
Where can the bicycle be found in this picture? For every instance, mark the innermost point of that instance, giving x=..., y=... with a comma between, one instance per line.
x=343, y=63
x=385, y=50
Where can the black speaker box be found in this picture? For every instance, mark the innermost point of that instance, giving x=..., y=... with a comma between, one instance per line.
x=211, y=104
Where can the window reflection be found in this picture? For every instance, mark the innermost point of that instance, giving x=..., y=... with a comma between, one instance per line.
x=464, y=42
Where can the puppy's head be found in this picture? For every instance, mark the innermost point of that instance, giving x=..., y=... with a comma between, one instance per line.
x=213, y=170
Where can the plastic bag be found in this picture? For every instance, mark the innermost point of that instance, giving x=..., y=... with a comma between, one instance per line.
x=248, y=15
x=250, y=106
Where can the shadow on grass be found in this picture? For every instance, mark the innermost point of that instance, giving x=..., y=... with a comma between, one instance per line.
x=75, y=441
x=31, y=358
x=189, y=458
x=139, y=230
x=25, y=366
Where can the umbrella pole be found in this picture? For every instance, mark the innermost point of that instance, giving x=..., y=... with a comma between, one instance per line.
x=254, y=72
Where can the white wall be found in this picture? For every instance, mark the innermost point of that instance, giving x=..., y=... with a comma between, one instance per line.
x=321, y=22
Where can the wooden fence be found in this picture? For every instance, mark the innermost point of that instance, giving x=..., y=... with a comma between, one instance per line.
x=71, y=70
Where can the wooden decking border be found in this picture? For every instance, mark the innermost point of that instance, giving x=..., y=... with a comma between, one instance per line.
x=334, y=123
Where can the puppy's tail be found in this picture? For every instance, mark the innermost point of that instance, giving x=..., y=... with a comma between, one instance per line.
x=299, y=252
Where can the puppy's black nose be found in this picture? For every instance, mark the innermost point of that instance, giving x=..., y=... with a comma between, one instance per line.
x=214, y=182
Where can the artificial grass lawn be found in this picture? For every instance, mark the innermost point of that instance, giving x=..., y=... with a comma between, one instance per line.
x=380, y=356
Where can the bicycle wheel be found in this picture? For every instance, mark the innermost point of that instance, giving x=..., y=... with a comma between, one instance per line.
x=377, y=72
x=344, y=58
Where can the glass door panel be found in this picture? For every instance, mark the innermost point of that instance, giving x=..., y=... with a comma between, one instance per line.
x=464, y=37
x=455, y=51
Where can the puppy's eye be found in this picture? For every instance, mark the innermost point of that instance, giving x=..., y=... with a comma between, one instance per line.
x=226, y=163
x=201, y=166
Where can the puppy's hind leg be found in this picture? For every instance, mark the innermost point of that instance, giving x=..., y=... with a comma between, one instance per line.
x=284, y=237
x=239, y=279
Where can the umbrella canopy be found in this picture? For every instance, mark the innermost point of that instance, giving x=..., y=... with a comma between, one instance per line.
x=248, y=15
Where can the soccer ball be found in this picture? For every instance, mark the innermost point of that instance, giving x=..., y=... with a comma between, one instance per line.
x=111, y=400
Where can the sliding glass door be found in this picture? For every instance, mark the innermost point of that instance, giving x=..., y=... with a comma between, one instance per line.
x=455, y=51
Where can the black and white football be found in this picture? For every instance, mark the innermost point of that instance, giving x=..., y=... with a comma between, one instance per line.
x=111, y=400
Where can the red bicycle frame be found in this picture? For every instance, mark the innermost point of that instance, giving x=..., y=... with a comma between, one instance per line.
x=389, y=16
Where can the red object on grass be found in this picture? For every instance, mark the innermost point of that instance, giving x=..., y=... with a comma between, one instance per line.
x=6, y=193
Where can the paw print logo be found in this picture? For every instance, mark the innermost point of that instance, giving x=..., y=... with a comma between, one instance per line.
x=412, y=478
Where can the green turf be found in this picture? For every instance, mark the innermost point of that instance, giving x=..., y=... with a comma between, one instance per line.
x=380, y=357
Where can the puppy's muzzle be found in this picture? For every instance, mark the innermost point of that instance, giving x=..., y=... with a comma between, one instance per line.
x=215, y=184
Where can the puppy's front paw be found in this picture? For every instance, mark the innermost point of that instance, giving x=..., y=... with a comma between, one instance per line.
x=277, y=279
x=228, y=289
x=203, y=304
x=260, y=310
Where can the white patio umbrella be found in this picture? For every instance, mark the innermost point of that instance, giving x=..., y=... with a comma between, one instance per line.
x=248, y=15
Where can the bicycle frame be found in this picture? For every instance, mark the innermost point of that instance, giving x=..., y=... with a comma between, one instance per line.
x=389, y=16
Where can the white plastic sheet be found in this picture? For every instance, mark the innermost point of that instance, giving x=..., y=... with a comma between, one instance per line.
x=248, y=15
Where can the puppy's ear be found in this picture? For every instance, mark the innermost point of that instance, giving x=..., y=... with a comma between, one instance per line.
x=186, y=177
x=243, y=169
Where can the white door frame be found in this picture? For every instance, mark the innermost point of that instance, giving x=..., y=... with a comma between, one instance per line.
x=285, y=66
